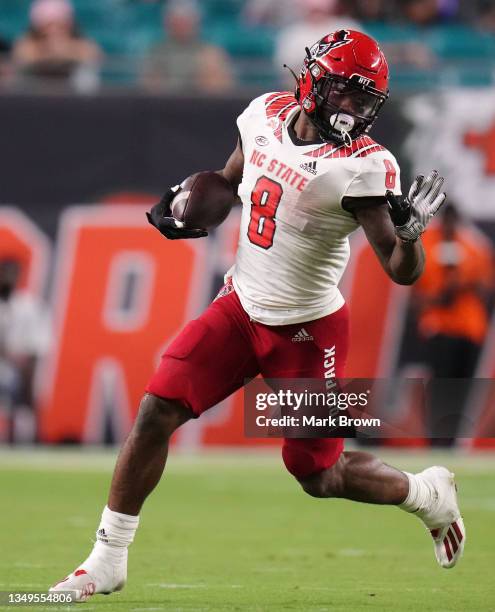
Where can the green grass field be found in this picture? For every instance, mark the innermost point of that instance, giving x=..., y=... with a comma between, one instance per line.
x=234, y=532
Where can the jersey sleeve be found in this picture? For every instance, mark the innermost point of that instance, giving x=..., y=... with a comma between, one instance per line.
x=378, y=174
x=243, y=120
x=255, y=109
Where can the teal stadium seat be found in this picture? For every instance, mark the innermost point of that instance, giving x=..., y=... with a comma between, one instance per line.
x=13, y=18
x=455, y=45
x=458, y=42
x=222, y=8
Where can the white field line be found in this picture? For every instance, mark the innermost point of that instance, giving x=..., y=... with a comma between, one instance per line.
x=167, y=608
x=172, y=585
x=97, y=459
x=351, y=552
x=42, y=588
x=52, y=608
x=86, y=459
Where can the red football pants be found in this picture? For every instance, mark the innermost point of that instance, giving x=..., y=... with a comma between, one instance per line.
x=214, y=355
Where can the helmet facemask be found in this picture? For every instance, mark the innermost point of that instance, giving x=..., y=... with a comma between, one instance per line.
x=345, y=108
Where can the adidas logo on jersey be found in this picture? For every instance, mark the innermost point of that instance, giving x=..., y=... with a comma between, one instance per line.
x=309, y=167
x=302, y=336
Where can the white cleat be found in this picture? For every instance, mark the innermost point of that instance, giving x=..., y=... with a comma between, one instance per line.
x=93, y=576
x=443, y=518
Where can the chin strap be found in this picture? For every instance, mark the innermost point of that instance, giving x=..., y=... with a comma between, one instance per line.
x=346, y=137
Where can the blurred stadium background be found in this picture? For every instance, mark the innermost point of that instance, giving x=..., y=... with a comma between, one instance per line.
x=103, y=105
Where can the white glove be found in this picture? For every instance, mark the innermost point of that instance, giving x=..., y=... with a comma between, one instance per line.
x=411, y=215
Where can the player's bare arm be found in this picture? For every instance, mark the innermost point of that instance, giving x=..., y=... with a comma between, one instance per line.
x=402, y=261
x=164, y=217
x=234, y=167
x=394, y=228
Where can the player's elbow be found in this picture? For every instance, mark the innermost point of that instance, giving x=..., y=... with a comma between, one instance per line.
x=233, y=180
x=406, y=280
x=406, y=277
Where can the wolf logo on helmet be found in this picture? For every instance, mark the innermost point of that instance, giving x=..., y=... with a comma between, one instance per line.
x=343, y=84
x=328, y=42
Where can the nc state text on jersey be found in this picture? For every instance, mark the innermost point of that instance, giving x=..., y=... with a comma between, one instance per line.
x=279, y=169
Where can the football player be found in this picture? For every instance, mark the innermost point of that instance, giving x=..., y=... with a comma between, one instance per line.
x=308, y=175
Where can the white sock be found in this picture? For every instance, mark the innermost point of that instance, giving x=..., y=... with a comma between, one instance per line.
x=114, y=535
x=420, y=496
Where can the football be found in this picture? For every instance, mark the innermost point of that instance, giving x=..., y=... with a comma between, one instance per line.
x=204, y=201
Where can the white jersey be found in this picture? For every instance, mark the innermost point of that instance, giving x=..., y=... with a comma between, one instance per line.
x=293, y=245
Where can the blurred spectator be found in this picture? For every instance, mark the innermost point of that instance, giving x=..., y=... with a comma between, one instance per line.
x=373, y=10
x=451, y=300
x=319, y=17
x=184, y=62
x=410, y=54
x=5, y=70
x=486, y=20
x=24, y=338
x=449, y=9
x=53, y=48
x=420, y=12
x=413, y=52
x=274, y=13
x=279, y=13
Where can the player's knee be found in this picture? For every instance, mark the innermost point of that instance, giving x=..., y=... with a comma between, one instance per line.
x=324, y=484
x=158, y=418
x=314, y=486
x=316, y=464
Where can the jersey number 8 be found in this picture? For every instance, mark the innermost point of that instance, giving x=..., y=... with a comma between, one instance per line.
x=265, y=199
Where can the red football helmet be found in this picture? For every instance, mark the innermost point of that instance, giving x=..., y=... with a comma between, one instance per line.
x=343, y=84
